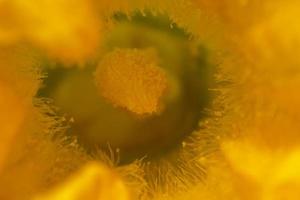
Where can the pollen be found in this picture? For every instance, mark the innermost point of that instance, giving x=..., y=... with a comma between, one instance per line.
x=132, y=79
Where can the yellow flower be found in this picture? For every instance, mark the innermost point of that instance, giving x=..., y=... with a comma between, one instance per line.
x=216, y=107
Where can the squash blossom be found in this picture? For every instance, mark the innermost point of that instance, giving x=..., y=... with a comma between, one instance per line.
x=149, y=99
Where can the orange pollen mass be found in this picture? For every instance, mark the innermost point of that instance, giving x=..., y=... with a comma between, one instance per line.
x=132, y=79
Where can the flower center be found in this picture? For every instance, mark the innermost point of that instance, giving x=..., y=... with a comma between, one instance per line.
x=146, y=94
x=131, y=79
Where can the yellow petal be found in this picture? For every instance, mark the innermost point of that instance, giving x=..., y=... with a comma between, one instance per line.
x=11, y=118
x=67, y=30
x=92, y=182
x=286, y=180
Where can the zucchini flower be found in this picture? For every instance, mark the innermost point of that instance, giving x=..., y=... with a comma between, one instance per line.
x=149, y=99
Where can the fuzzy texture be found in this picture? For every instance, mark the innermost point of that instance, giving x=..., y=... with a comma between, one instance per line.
x=132, y=80
x=253, y=121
